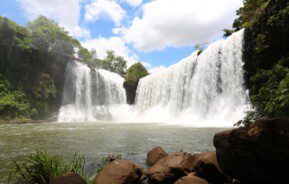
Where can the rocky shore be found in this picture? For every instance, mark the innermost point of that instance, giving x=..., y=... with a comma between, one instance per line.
x=246, y=155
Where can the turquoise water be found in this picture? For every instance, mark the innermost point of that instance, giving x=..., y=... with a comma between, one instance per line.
x=95, y=140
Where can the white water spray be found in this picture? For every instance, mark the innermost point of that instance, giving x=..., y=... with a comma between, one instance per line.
x=204, y=90
x=90, y=94
x=201, y=90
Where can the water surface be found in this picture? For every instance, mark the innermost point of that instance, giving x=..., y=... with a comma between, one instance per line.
x=95, y=140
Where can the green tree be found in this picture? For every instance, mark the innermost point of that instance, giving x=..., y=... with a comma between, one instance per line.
x=134, y=74
x=114, y=63
x=266, y=54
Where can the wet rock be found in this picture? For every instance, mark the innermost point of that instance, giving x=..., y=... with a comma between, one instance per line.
x=171, y=168
x=155, y=155
x=68, y=178
x=191, y=179
x=120, y=172
x=255, y=154
x=206, y=166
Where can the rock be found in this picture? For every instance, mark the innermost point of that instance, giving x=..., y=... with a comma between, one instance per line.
x=171, y=168
x=130, y=89
x=119, y=172
x=255, y=154
x=191, y=179
x=68, y=178
x=206, y=166
x=155, y=155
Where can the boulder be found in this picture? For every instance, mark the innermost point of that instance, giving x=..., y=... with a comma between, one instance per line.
x=119, y=172
x=255, y=154
x=155, y=155
x=206, y=166
x=191, y=179
x=171, y=168
x=68, y=178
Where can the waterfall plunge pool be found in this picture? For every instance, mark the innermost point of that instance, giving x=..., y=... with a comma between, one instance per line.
x=95, y=140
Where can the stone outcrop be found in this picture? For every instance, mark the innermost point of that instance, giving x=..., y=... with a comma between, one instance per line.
x=206, y=166
x=120, y=172
x=171, y=168
x=68, y=178
x=155, y=155
x=191, y=179
x=255, y=154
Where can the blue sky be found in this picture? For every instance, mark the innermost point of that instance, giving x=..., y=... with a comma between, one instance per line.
x=158, y=33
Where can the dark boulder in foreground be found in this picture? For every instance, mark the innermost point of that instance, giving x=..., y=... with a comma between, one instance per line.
x=68, y=178
x=171, y=168
x=155, y=155
x=120, y=172
x=256, y=154
x=206, y=166
x=191, y=179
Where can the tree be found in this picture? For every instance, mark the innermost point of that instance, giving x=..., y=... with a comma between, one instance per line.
x=114, y=63
x=134, y=74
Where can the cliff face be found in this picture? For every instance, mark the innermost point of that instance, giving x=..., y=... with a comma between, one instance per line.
x=130, y=88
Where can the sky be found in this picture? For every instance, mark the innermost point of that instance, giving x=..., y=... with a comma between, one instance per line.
x=157, y=33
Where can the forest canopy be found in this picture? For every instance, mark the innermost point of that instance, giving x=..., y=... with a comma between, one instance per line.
x=32, y=62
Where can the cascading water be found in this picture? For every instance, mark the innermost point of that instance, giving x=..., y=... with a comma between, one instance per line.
x=90, y=94
x=202, y=90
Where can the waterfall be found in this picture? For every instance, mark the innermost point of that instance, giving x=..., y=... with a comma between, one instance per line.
x=201, y=90
x=90, y=94
x=204, y=89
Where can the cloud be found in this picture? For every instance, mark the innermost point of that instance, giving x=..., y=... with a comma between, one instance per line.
x=116, y=44
x=176, y=23
x=157, y=69
x=66, y=13
x=108, y=9
x=133, y=3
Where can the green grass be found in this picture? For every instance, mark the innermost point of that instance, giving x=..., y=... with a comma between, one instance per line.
x=40, y=167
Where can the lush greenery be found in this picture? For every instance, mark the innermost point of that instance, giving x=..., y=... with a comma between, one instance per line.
x=134, y=74
x=32, y=63
x=40, y=167
x=266, y=54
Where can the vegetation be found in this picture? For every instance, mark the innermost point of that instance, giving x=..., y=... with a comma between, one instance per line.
x=32, y=62
x=134, y=74
x=266, y=55
x=40, y=168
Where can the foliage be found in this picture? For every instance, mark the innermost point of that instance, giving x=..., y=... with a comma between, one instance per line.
x=134, y=74
x=32, y=61
x=114, y=63
x=251, y=116
x=40, y=167
x=12, y=104
x=228, y=32
x=266, y=54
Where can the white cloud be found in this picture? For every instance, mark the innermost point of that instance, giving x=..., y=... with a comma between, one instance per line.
x=66, y=13
x=133, y=3
x=108, y=9
x=177, y=23
x=157, y=69
x=116, y=44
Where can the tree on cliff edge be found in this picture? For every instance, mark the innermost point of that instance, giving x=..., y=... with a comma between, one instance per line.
x=134, y=74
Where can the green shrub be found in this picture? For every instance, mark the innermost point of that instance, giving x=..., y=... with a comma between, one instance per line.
x=134, y=74
x=40, y=168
